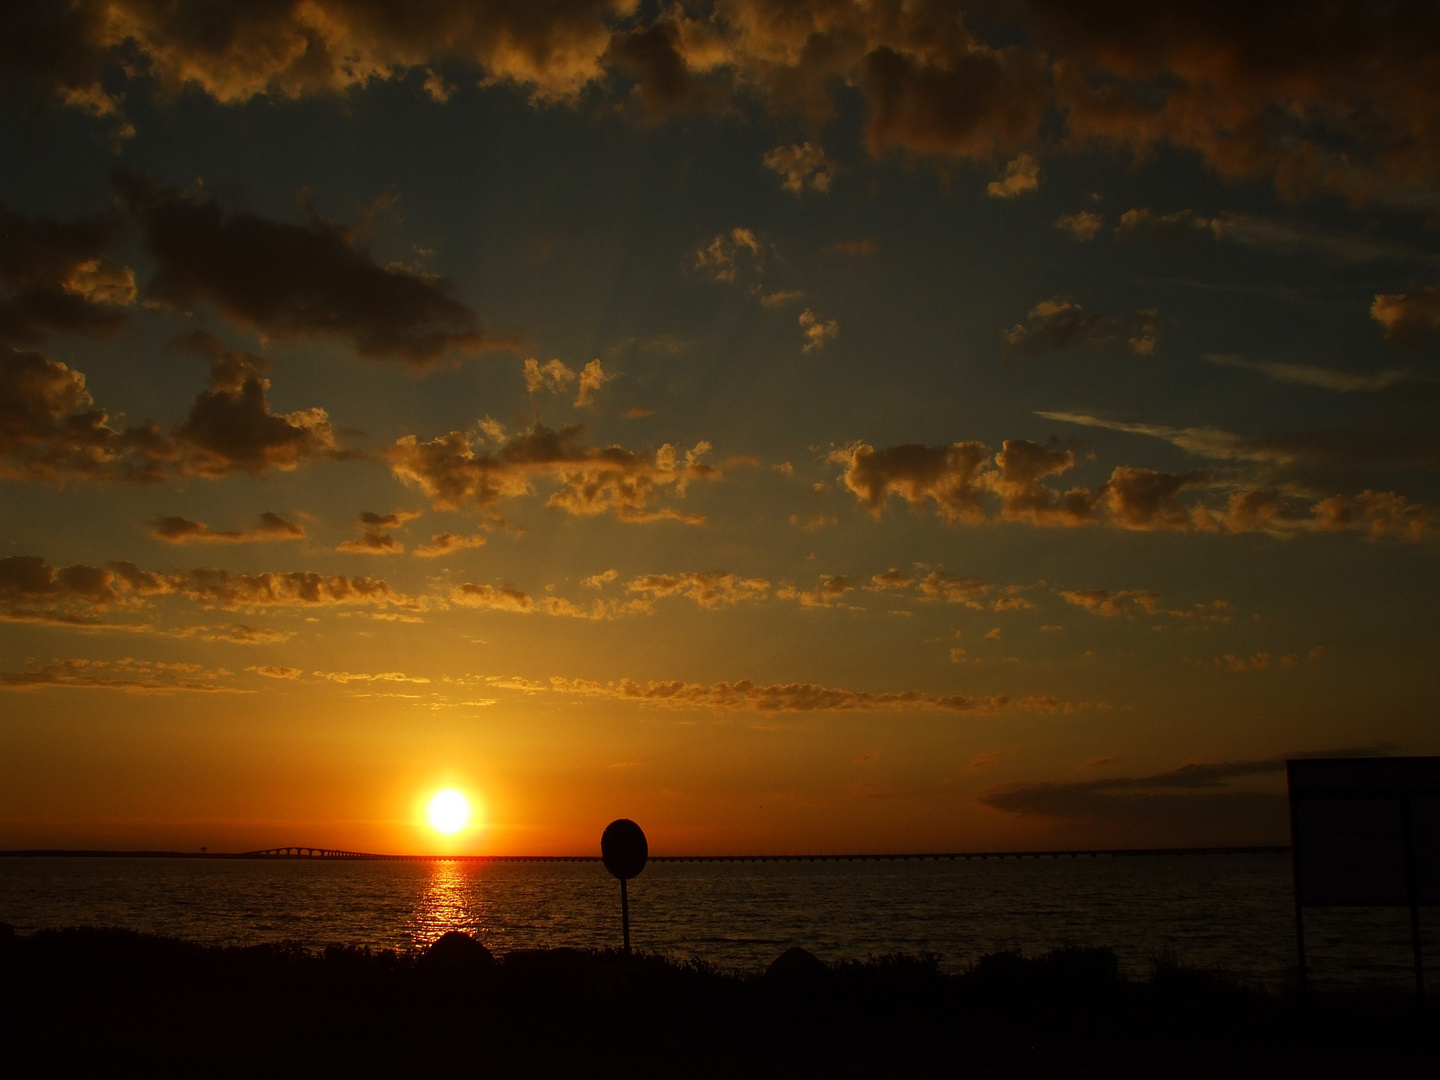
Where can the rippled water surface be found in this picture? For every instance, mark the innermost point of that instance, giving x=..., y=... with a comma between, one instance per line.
x=1230, y=912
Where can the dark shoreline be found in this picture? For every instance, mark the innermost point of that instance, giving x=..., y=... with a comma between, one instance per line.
x=83, y=1000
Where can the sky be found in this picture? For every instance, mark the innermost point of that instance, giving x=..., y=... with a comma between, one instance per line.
x=798, y=427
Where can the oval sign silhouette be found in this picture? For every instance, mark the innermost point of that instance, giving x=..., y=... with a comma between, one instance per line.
x=623, y=848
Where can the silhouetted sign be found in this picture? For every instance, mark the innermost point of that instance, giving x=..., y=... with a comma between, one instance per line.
x=623, y=848
x=1366, y=831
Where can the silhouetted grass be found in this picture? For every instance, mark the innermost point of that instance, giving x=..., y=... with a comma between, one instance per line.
x=88, y=1001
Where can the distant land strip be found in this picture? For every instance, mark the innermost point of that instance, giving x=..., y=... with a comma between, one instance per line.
x=331, y=854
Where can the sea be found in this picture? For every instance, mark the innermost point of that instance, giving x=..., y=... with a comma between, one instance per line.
x=1230, y=913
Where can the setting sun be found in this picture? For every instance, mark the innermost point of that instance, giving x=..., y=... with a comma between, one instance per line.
x=449, y=811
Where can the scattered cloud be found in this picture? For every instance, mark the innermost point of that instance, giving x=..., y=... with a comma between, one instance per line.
x=830, y=592
x=1408, y=319
x=274, y=671
x=490, y=598
x=375, y=538
x=128, y=676
x=710, y=589
x=1084, y=225
x=1057, y=323
x=1022, y=174
x=589, y=480
x=724, y=257
x=55, y=277
x=818, y=331
x=854, y=249
x=181, y=530
x=802, y=166
x=447, y=543
x=745, y=695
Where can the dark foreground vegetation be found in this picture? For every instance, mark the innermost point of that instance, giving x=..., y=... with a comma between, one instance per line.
x=113, y=1002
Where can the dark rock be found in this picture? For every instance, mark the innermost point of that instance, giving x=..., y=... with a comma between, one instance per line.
x=797, y=966
x=457, y=953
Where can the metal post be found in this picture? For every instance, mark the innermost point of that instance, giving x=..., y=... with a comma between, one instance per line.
x=625, y=914
x=1412, y=894
x=1295, y=883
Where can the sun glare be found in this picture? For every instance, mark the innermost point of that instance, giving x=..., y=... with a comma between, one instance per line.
x=449, y=811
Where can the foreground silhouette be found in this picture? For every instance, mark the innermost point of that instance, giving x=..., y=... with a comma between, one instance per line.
x=85, y=1001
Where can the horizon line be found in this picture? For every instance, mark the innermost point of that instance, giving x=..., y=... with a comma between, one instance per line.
x=305, y=853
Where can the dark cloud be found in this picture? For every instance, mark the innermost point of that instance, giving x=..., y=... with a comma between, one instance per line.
x=375, y=539
x=1056, y=324
x=182, y=530
x=951, y=476
x=286, y=280
x=1147, y=499
x=31, y=589
x=55, y=277
x=1328, y=98
x=589, y=480
x=1194, y=804
x=1409, y=319
x=50, y=429
x=230, y=427
x=1404, y=384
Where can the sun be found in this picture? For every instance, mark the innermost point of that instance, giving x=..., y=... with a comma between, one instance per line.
x=449, y=811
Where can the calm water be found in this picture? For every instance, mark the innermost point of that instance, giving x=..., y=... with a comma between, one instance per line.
x=1227, y=912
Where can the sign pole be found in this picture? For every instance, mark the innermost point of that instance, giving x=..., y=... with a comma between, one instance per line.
x=625, y=914
x=1408, y=833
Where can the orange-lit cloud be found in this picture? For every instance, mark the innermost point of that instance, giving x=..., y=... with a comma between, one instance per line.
x=375, y=538
x=800, y=697
x=182, y=530
x=802, y=167
x=55, y=277
x=590, y=480
x=1058, y=323
x=128, y=676
x=708, y=589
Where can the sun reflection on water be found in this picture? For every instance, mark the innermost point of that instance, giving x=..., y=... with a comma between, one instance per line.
x=447, y=903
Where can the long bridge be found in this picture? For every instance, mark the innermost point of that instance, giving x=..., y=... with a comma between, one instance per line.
x=305, y=853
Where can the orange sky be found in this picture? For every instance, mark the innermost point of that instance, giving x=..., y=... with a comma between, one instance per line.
x=831, y=428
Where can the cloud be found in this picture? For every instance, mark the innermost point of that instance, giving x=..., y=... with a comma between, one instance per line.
x=1057, y=323
x=1408, y=384
x=953, y=589
x=1408, y=319
x=446, y=543
x=344, y=677
x=490, y=598
x=128, y=675
x=285, y=281
x=744, y=695
x=891, y=579
x=274, y=671
x=1021, y=175
x=1110, y=604
x=589, y=480
x=1266, y=234
x=830, y=592
x=801, y=166
x=1022, y=465
x=55, y=277
x=728, y=253
x=551, y=375
x=325, y=47
x=951, y=476
x=1317, y=100
x=592, y=378
x=708, y=589
x=230, y=427
x=817, y=330
x=854, y=249
x=50, y=429
x=375, y=538
x=1083, y=225
x=182, y=530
